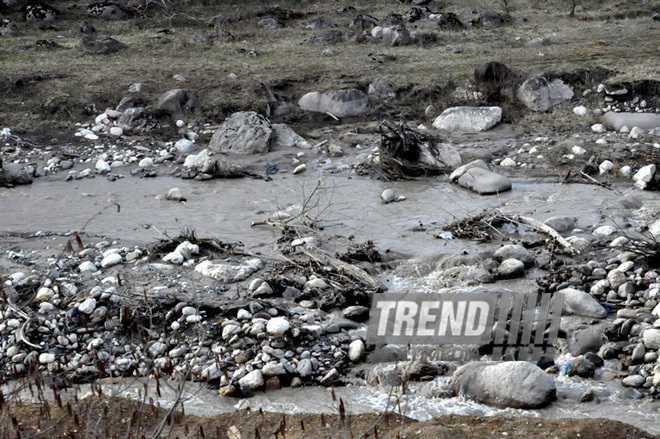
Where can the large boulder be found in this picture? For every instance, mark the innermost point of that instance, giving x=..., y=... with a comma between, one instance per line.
x=543, y=92
x=285, y=137
x=484, y=182
x=101, y=44
x=579, y=303
x=245, y=132
x=645, y=121
x=175, y=101
x=468, y=119
x=515, y=384
x=137, y=118
x=340, y=103
x=396, y=35
x=12, y=174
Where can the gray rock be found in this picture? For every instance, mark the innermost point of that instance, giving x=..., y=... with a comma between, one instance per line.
x=579, y=303
x=175, y=102
x=357, y=313
x=388, y=196
x=184, y=146
x=396, y=35
x=493, y=19
x=633, y=381
x=252, y=380
x=515, y=384
x=581, y=367
x=468, y=119
x=616, y=121
x=101, y=44
x=538, y=42
x=562, y=223
x=328, y=37
x=514, y=251
x=12, y=174
x=304, y=368
x=543, y=92
x=585, y=340
x=461, y=170
x=511, y=269
x=285, y=137
x=484, y=182
x=341, y=103
x=381, y=89
x=245, y=132
x=270, y=23
x=228, y=272
x=108, y=11
x=651, y=338
x=320, y=23
x=136, y=119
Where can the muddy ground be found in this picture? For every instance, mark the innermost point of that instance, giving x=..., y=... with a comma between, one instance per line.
x=125, y=418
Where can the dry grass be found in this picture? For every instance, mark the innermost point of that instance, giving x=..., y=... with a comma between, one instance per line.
x=595, y=38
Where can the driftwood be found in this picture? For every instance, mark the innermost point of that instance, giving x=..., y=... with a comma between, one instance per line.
x=538, y=225
x=355, y=273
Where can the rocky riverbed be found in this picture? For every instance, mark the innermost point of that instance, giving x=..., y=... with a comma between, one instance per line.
x=234, y=260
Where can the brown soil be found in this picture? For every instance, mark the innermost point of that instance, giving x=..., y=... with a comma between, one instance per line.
x=121, y=418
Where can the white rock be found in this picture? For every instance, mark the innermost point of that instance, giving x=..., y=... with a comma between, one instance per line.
x=180, y=123
x=46, y=358
x=645, y=173
x=88, y=306
x=174, y=257
x=300, y=169
x=636, y=133
x=277, y=326
x=356, y=350
x=601, y=142
x=243, y=314
x=624, y=129
x=187, y=249
x=116, y=131
x=468, y=119
x=625, y=170
x=508, y=163
x=654, y=229
x=45, y=293
x=578, y=150
x=101, y=118
x=146, y=162
x=91, y=136
x=598, y=128
x=17, y=277
x=605, y=166
x=87, y=266
x=111, y=260
x=580, y=111
x=103, y=167
x=188, y=311
x=604, y=231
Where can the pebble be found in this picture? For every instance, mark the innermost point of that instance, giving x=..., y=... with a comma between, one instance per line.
x=580, y=111
x=300, y=169
x=46, y=358
x=146, y=162
x=103, y=167
x=598, y=128
x=111, y=260
x=87, y=266
x=356, y=350
x=88, y=306
x=508, y=162
x=116, y=131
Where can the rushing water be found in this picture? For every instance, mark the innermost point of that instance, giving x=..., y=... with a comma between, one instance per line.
x=345, y=206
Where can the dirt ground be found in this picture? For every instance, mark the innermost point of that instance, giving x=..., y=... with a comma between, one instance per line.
x=117, y=418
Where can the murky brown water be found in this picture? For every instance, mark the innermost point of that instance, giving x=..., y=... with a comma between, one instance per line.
x=347, y=206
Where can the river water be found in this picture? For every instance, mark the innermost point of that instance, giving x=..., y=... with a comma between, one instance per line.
x=345, y=206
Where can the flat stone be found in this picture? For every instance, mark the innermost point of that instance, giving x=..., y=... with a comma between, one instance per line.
x=468, y=119
x=484, y=182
